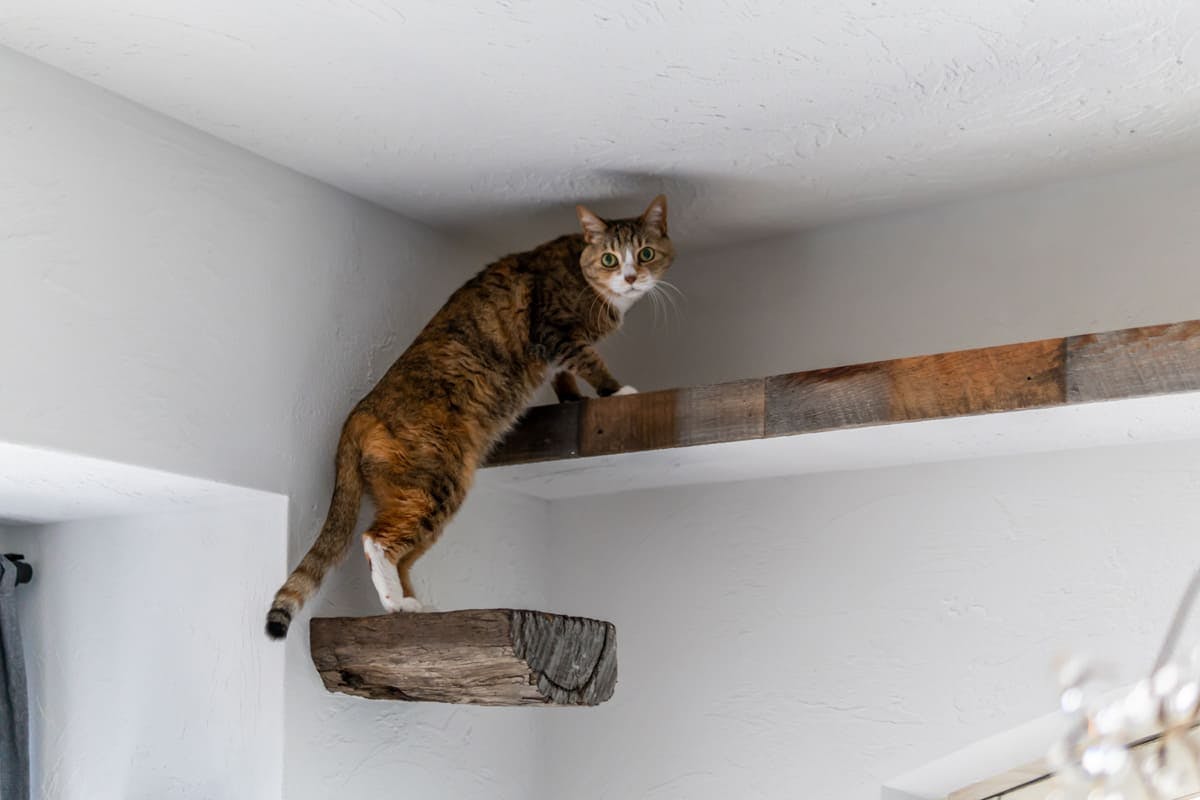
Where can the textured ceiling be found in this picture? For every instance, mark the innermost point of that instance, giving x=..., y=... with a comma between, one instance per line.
x=756, y=117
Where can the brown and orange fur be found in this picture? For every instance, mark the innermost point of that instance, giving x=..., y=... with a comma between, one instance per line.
x=414, y=442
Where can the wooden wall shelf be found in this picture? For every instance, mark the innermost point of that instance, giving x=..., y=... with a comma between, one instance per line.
x=1132, y=386
x=492, y=657
x=1137, y=362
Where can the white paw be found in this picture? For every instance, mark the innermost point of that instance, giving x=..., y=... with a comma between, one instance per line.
x=399, y=604
x=626, y=390
x=385, y=577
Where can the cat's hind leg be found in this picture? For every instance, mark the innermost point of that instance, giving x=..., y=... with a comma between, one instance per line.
x=417, y=484
x=395, y=538
x=393, y=595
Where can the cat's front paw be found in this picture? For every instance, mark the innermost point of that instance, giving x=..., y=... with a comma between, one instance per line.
x=625, y=390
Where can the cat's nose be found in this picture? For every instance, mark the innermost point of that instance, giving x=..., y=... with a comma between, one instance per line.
x=630, y=279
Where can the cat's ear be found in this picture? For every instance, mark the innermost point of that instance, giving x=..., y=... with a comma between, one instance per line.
x=593, y=227
x=655, y=215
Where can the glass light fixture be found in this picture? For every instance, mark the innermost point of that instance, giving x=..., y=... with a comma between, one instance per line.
x=1134, y=746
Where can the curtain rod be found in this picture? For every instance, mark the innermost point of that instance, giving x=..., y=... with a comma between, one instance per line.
x=24, y=569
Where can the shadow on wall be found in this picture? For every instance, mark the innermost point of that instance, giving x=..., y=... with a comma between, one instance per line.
x=612, y=193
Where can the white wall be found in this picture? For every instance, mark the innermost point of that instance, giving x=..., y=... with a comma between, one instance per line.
x=146, y=677
x=818, y=636
x=493, y=555
x=171, y=301
x=1075, y=257
x=822, y=635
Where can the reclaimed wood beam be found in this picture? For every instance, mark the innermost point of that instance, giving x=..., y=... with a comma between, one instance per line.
x=1137, y=362
x=490, y=657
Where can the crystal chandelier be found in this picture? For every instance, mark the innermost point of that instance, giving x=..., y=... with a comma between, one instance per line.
x=1135, y=746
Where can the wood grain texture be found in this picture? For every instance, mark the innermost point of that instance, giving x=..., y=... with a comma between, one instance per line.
x=727, y=412
x=924, y=387
x=843, y=397
x=628, y=423
x=1131, y=363
x=1159, y=359
x=493, y=657
x=1006, y=378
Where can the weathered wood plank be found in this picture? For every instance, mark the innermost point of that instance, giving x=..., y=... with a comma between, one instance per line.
x=544, y=433
x=923, y=387
x=495, y=657
x=628, y=423
x=1006, y=378
x=725, y=412
x=1159, y=359
x=843, y=397
x=574, y=659
x=1122, y=364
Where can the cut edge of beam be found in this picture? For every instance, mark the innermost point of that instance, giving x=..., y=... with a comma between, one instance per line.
x=493, y=657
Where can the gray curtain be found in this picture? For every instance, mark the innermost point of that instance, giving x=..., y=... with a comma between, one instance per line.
x=14, y=696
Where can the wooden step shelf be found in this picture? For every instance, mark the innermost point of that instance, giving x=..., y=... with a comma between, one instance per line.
x=1132, y=363
x=490, y=657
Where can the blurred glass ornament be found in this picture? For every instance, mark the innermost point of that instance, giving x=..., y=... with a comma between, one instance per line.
x=1098, y=757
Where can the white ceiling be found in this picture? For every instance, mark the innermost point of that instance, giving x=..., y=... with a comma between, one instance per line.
x=756, y=117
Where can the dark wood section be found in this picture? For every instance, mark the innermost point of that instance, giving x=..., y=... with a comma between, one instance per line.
x=545, y=433
x=1138, y=362
x=491, y=657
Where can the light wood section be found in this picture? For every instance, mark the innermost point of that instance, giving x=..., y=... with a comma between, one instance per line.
x=491, y=657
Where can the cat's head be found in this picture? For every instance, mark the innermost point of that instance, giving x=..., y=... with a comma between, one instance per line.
x=625, y=258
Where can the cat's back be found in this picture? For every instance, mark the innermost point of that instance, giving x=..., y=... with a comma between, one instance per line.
x=480, y=338
x=502, y=293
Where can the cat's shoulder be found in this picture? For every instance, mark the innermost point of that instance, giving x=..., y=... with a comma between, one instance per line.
x=556, y=253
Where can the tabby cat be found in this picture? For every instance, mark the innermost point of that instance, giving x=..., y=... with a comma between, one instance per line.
x=414, y=442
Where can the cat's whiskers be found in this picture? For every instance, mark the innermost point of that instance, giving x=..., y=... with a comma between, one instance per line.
x=656, y=297
x=655, y=303
x=672, y=298
x=667, y=284
x=670, y=313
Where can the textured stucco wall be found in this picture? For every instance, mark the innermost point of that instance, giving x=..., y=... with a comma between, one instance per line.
x=825, y=634
x=818, y=636
x=494, y=555
x=146, y=678
x=171, y=301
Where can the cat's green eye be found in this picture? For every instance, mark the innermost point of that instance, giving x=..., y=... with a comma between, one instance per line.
x=609, y=260
x=646, y=254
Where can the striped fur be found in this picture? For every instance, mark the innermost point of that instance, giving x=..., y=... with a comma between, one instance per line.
x=414, y=442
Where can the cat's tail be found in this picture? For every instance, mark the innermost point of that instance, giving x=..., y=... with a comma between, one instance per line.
x=331, y=543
